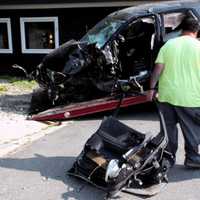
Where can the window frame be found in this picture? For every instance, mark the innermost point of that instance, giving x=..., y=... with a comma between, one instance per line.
x=24, y=20
x=10, y=45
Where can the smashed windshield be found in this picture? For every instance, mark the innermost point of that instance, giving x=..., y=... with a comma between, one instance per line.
x=102, y=31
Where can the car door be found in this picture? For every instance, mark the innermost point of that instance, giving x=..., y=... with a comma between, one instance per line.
x=139, y=46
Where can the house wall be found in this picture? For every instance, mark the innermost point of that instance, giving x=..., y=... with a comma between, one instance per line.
x=72, y=23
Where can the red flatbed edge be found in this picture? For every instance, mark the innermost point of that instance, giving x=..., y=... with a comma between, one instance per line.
x=88, y=107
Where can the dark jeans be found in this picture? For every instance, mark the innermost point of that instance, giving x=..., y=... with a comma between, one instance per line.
x=189, y=120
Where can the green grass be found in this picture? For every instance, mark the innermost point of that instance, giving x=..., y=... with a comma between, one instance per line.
x=24, y=84
x=3, y=88
x=18, y=82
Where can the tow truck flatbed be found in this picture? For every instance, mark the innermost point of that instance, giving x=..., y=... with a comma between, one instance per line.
x=88, y=107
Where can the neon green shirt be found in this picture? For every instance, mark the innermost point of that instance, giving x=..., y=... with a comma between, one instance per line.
x=179, y=83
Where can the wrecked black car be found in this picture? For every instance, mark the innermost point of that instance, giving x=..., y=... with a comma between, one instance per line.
x=122, y=45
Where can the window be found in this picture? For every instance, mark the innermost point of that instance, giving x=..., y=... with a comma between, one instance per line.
x=103, y=31
x=172, y=24
x=5, y=36
x=39, y=34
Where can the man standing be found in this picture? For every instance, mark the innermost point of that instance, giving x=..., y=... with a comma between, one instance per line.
x=178, y=71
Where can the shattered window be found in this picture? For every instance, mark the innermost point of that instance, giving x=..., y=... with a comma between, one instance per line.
x=103, y=31
x=5, y=36
x=39, y=34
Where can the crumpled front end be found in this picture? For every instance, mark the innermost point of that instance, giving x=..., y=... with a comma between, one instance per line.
x=74, y=72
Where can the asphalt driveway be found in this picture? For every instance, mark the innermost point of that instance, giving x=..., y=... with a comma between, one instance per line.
x=38, y=171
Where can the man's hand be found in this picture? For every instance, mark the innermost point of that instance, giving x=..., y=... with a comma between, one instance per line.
x=152, y=94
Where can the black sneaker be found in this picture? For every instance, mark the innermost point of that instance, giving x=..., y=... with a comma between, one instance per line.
x=191, y=164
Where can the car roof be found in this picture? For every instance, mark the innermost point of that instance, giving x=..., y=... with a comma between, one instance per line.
x=156, y=7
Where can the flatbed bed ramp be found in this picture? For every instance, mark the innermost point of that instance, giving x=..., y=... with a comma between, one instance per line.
x=88, y=107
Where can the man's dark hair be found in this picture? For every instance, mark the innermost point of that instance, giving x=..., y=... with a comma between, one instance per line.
x=190, y=24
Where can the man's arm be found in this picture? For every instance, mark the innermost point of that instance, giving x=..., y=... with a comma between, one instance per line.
x=154, y=79
x=156, y=74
